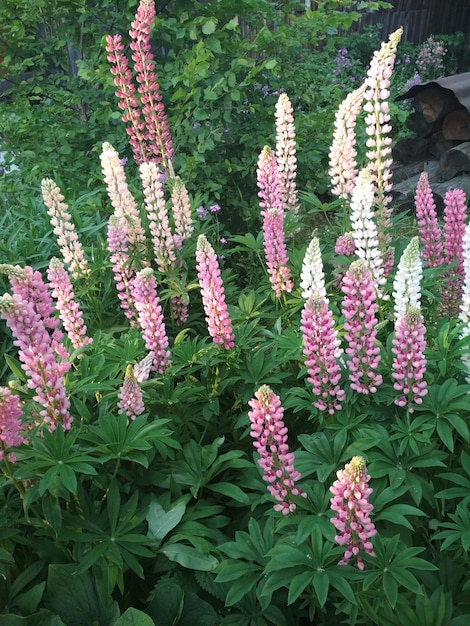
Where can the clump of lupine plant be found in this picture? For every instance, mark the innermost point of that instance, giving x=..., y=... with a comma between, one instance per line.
x=430, y=60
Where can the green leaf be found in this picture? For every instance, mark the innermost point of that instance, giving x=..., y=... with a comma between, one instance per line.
x=189, y=557
x=231, y=491
x=134, y=617
x=209, y=27
x=390, y=588
x=161, y=522
x=321, y=584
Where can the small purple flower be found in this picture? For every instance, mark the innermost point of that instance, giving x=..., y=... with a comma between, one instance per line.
x=202, y=212
x=215, y=208
x=124, y=161
x=223, y=241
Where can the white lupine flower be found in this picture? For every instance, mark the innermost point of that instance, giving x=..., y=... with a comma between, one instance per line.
x=364, y=228
x=312, y=277
x=407, y=283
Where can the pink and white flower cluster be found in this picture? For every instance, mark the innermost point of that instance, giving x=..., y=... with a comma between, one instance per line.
x=270, y=440
x=10, y=423
x=352, y=508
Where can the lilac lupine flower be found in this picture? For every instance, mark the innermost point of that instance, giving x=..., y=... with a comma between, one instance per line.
x=122, y=201
x=409, y=364
x=378, y=129
x=130, y=396
x=121, y=264
x=38, y=357
x=276, y=252
x=350, y=503
x=312, y=277
x=150, y=316
x=342, y=157
x=455, y=211
x=267, y=180
x=364, y=228
x=159, y=145
x=159, y=225
x=218, y=320
x=10, y=423
x=321, y=349
x=407, y=282
x=67, y=306
x=180, y=308
x=359, y=307
x=286, y=154
x=270, y=440
x=429, y=231
x=64, y=229
x=184, y=226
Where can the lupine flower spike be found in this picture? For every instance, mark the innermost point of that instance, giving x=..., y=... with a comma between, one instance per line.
x=130, y=396
x=464, y=313
x=276, y=251
x=350, y=503
x=407, y=282
x=429, y=231
x=378, y=129
x=359, y=307
x=267, y=180
x=159, y=225
x=150, y=317
x=364, y=228
x=184, y=226
x=343, y=166
x=123, y=202
x=455, y=213
x=10, y=423
x=312, y=277
x=68, y=307
x=38, y=357
x=286, y=154
x=121, y=265
x=270, y=440
x=213, y=297
x=64, y=229
x=321, y=348
x=409, y=364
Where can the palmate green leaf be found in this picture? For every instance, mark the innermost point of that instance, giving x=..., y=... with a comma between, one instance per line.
x=321, y=584
x=231, y=491
x=161, y=522
x=242, y=587
x=396, y=513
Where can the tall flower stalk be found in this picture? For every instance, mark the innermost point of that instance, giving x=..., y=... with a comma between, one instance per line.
x=270, y=441
x=130, y=396
x=378, y=128
x=407, y=282
x=10, y=424
x=312, y=276
x=286, y=158
x=181, y=204
x=352, y=508
x=455, y=213
x=276, y=252
x=121, y=264
x=218, y=320
x=64, y=229
x=429, y=231
x=359, y=308
x=343, y=168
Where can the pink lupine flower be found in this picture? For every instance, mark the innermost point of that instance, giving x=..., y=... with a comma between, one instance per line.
x=270, y=440
x=343, y=166
x=409, y=364
x=28, y=285
x=127, y=99
x=378, y=129
x=122, y=266
x=455, y=209
x=130, y=396
x=157, y=135
x=10, y=423
x=159, y=225
x=267, y=180
x=312, y=277
x=429, y=231
x=38, y=357
x=67, y=306
x=359, y=307
x=143, y=368
x=352, y=508
x=64, y=229
x=286, y=154
x=150, y=316
x=345, y=246
x=464, y=313
x=276, y=252
x=364, y=228
x=321, y=349
x=122, y=201
x=213, y=297
x=407, y=282
x=184, y=226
